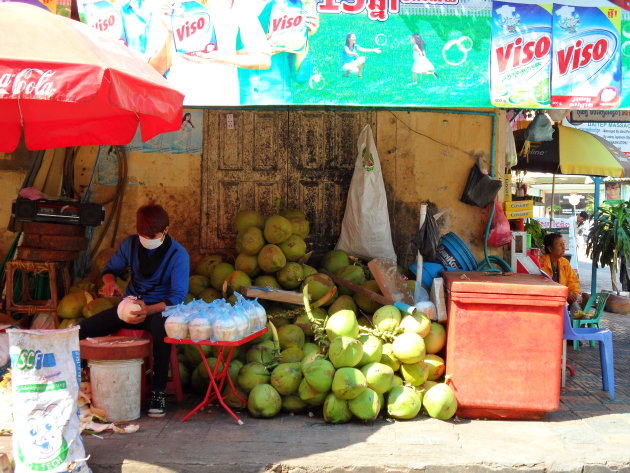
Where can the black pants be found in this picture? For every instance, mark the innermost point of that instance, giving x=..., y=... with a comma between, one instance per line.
x=107, y=322
x=623, y=274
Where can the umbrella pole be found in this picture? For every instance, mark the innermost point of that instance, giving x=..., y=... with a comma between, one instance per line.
x=553, y=194
x=598, y=181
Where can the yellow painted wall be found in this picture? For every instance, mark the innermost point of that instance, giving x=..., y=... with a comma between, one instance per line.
x=424, y=156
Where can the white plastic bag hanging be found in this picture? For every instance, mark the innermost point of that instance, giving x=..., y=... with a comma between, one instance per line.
x=365, y=230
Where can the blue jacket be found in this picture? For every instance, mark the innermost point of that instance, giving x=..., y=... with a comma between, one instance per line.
x=168, y=283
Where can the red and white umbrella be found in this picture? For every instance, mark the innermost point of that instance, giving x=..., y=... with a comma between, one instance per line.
x=63, y=83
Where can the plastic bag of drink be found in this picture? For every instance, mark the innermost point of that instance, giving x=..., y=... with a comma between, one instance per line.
x=46, y=374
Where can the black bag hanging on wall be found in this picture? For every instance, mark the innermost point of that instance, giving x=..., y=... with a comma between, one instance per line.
x=480, y=189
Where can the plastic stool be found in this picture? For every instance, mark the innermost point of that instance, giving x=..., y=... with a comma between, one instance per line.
x=173, y=383
x=27, y=305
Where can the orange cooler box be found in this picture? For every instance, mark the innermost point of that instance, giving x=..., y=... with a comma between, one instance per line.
x=504, y=345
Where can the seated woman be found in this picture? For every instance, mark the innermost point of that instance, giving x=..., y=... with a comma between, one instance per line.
x=554, y=264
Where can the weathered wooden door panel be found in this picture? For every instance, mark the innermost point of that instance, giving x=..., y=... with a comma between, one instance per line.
x=243, y=168
x=304, y=157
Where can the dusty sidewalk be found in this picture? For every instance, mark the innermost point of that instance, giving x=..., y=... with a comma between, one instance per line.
x=588, y=433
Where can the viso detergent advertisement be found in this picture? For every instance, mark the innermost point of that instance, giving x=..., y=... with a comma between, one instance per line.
x=386, y=53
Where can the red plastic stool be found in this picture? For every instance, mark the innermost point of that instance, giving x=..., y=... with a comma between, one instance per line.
x=173, y=383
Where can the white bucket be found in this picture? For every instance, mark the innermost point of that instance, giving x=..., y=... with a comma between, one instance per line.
x=116, y=387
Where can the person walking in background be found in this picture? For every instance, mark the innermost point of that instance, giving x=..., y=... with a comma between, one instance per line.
x=556, y=266
x=352, y=61
x=160, y=269
x=421, y=64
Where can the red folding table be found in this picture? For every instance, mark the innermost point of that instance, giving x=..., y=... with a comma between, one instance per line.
x=217, y=379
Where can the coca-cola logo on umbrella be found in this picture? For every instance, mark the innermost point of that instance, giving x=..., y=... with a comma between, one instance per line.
x=31, y=83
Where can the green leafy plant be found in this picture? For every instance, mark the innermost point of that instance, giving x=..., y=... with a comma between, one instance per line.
x=609, y=238
x=537, y=233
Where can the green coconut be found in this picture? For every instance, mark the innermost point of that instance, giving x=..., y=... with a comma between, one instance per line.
x=293, y=404
x=348, y=383
x=192, y=356
x=83, y=285
x=189, y=298
x=290, y=213
x=415, y=373
x=318, y=285
x=198, y=384
x=436, y=339
x=247, y=218
x=309, y=348
x=300, y=226
x=249, y=241
x=293, y=247
x=66, y=323
x=397, y=381
x=286, y=378
x=291, y=336
x=266, y=280
x=388, y=358
x=417, y=323
x=342, y=324
x=335, y=410
x=291, y=355
x=366, y=405
x=439, y=401
x=197, y=283
x=345, y=351
x=319, y=373
x=436, y=366
x=264, y=401
x=291, y=276
x=262, y=352
x=219, y=273
x=343, y=302
x=366, y=304
x=252, y=374
x=409, y=347
x=205, y=265
x=231, y=399
x=71, y=306
x=309, y=395
x=352, y=273
x=271, y=259
x=95, y=306
x=277, y=229
x=308, y=270
x=372, y=350
x=386, y=317
x=236, y=280
x=379, y=377
x=403, y=403
x=234, y=369
x=210, y=294
x=334, y=260
x=248, y=264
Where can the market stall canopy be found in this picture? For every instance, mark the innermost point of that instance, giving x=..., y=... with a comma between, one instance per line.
x=63, y=83
x=572, y=151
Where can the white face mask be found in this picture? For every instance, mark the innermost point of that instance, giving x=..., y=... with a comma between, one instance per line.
x=152, y=244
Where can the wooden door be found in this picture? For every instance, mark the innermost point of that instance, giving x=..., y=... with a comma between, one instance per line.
x=306, y=158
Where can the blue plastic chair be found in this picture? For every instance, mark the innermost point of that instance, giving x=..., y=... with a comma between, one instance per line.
x=599, y=300
x=604, y=337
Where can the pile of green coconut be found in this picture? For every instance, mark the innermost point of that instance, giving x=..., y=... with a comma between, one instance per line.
x=342, y=354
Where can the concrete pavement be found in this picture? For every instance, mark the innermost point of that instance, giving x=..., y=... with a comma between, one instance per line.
x=589, y=433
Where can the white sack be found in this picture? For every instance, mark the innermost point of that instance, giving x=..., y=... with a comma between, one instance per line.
x=45, y=377
x=365, y=230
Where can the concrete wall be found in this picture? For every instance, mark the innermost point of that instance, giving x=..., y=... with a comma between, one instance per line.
x=425, y=156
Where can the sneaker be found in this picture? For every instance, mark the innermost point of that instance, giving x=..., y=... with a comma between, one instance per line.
x=157, y=404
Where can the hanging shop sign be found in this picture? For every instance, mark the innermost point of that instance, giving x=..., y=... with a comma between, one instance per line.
x=617, y=132
x=384, y=53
